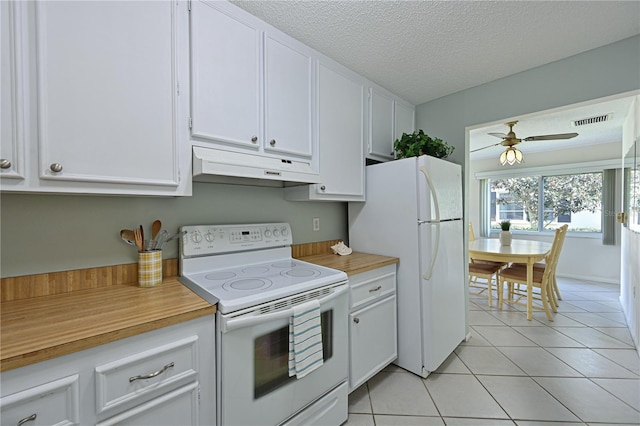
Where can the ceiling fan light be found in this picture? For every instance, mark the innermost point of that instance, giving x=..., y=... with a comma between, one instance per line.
x=511, y=156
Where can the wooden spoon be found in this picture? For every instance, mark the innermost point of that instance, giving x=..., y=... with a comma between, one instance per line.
x=128, y=236
x=156, y=226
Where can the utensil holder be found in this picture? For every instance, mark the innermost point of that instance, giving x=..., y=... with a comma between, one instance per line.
x=149, y=268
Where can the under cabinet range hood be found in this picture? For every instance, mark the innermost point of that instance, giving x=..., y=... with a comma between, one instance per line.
x=215, y=165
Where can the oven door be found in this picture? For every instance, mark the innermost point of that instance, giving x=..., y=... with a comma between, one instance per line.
x=255, y=387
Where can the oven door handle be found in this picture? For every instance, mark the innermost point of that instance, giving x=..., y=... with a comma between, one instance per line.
x=229, y=324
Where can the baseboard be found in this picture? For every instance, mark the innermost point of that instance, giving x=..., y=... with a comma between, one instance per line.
x=591, y=278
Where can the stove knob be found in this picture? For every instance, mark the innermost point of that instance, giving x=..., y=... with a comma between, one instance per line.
x=284, y=231
x=209, y=236
x=196, y=237
x=276, y=233
x=267, y=233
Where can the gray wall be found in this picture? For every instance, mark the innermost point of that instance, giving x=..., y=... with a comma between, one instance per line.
x=47, y=233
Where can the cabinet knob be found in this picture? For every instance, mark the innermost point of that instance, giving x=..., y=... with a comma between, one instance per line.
x=391, y=153
x=322, y=188
x=254, y=139
x=27, y=419
x=4, y=163
x=272, y=142
x=56, y=167
x=356, y=320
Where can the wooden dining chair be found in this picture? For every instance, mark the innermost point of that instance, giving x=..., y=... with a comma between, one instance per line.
x=540, y=266
x=482, y=277
x=514, y=276
x=483, y=274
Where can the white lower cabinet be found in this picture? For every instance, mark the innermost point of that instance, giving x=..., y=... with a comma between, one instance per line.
x=373, y=341
x=162, y=377
x=52, y=403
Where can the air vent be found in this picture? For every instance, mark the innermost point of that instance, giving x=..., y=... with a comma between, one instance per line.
x=592, y=120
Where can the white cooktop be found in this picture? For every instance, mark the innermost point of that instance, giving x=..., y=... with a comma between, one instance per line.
x=240, y=266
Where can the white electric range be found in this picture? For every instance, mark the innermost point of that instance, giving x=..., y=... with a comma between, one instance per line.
x=249, y=272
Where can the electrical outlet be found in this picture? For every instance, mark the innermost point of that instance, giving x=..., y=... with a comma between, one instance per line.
x=316, y=223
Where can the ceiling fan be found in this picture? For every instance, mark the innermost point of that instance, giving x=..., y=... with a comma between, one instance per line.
x=512, y=155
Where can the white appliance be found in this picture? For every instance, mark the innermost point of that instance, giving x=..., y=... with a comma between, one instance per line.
x=249, y=272
x=218, y=166
x=413, y=211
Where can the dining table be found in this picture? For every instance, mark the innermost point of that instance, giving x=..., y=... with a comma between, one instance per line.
x=519, y=251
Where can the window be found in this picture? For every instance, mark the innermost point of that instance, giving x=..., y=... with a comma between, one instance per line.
x=575, y=199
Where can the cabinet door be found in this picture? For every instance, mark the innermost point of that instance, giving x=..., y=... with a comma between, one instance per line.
x=380, y=125
x=179, y=407
x=11, y=93
x=225, y=86
x=288, y=97
x=372, y=340
x=404, y=119
x=106, y=91
x=341, y=134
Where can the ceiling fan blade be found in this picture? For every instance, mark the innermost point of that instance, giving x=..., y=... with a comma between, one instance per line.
x=499, y=135
x=551, y=137
x=485, y=147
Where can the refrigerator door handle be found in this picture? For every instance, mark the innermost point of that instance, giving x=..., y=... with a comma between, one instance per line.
x=434, y=197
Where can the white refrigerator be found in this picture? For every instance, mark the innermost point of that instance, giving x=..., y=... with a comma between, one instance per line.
x=413, y=211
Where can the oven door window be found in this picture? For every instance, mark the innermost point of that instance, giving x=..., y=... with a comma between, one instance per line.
x=271, y=356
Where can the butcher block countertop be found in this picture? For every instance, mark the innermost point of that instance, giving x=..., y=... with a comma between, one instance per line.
x=352, y=264
x=40, y=328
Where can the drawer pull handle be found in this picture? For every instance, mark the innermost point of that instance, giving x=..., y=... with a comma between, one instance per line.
x=27, y=419
x=151, y=375
x=375, y=289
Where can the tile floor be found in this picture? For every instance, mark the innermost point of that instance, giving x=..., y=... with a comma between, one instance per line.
x=580, y=369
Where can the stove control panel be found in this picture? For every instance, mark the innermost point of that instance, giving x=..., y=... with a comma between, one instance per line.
x=200, y=240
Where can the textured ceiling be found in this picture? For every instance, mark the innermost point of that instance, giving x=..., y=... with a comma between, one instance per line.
x=423, y=50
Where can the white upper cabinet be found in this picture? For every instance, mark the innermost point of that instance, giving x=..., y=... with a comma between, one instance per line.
x=381, y=116
x=404, y=119
x=11, y=94
x=225, y=76
x=389, y=117
x=341, y=126
x=252, y=87
x=103, y=98
x=288, y=96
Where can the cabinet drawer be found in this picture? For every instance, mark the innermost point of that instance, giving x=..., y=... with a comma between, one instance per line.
x=53, y=403
x=146, y=375
x=178, y=407
x=372, y=285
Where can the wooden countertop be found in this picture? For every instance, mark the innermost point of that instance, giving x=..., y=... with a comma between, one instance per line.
x=41, y=328
x=352, y=264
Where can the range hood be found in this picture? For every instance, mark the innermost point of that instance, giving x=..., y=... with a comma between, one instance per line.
x=215, y=165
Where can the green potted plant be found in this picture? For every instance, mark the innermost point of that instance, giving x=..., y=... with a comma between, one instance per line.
x=419, y=143
x=505, y=234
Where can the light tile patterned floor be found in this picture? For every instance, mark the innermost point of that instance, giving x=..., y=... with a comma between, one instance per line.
x=580, y=369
